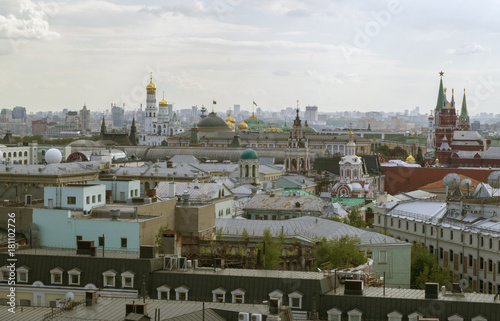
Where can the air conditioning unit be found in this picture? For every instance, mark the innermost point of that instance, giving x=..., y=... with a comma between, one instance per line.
x=171, y=263
x=189, y=264
x=243, y=316
x=256, y=317
x=182, y=263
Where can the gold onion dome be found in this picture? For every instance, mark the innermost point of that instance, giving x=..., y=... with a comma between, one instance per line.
x=151, y=85
x=243, y=125
x=253, y=116
x=230, y=119
x=437, y=160
x=351, y=133
x=163, y=102
x=410, y=159
x=431, y=117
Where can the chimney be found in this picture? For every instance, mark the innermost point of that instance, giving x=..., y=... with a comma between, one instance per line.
x=431, y=290
x=171, y=190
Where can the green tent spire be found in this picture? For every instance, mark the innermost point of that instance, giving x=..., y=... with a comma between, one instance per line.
x=463, y=112
x=440, y=101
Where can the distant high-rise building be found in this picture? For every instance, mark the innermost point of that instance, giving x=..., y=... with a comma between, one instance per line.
x=475, y=125
x=19, y=114
x=237, y=109
x=117, y=115
x=311, y=114
x=6, y=115
x=170, y=110
x=194, y=111
x=84, y=118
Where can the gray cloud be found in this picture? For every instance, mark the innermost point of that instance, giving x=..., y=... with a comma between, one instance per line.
x=468, y=49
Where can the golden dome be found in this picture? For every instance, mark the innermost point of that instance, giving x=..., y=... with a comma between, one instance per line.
x=431, y=117
x=351, y=133
x=243, y=125
x=230, y=119
x=151, y=85
x=410, y=159
x=230, y=124
x=253, y=116
x=437, y=160
x=163, y=102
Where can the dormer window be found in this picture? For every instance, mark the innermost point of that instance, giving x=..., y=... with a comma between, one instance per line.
x=295, y=300
x=109, y=278
x=22, y=274
x=181, y=293
x=127, y=279
x=56, y=275
x=74, y=276
x=219, y=295
x=238, y=296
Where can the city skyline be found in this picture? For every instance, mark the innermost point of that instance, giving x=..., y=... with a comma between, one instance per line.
x=338, y=56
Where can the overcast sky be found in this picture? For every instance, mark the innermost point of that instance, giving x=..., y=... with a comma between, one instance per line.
x=338, y=55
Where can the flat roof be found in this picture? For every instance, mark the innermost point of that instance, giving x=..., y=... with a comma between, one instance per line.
x=251, y=273
x=72, y=252
x=415, y=294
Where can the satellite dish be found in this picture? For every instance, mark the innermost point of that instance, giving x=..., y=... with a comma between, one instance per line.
x=452, y=181
x=69, y=297
x=466, y=183
x=494, y=179
x=464, y=284
x=53, y=156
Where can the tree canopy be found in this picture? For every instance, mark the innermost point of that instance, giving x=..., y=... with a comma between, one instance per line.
x=269, y=251
x=424, y=268
x=341, y=252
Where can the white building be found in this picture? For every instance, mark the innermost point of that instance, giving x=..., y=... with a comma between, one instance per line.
x=462, y=235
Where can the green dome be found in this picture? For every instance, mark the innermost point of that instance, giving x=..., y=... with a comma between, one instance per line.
x=213, y=122
x=249, y=154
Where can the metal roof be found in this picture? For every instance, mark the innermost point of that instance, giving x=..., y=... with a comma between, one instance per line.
x=308, y=226
x=288, y=203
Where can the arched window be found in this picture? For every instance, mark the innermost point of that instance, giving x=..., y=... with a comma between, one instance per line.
x=355, y=173
x=25, y=153
x=348, y=173
x=253, y=171
x=10, y=155
x=246, y=171
x=15, y=154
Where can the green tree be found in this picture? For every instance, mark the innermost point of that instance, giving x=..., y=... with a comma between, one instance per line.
x=269, y=250
x=244, y=234
x=218, y=235
x=420, y=158
x=424, y=268
x=354, y=218
x=383, y=149
x=340, y=252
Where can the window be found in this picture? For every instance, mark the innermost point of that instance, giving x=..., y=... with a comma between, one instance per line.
x=295, y=300
x=392, y=221
x=451, y=235
x=432, y=230
x=481, y=263
x=276, y=294
x=378, y=218
x=462, y=237
x=382, y=257
x=482, y=241
x=22, y=274
x=88, y=200
x=490, y=266
x=407, y=225
x=109, y=278
x=74, y=276
x=470, y=239
x=461, y=258
x=131, y=193
x=124, y=242
x=334, y=314
x=455, y=317
x=181, y=293
x=451, y=255
x=219, y=295
x=93, y=199
x=441, y=253
x=394, y=316
x=79, y=238
x=163, y=292
x=414, y=227
x=441, y=233
x=71, y=200
x=56, y=275
x=101, y=241
x=354, y=315
x=498, y=267
x=415, y=316
x=5, y=273
x=491, y=243
x=127, y=279
x=238, y=296
x=99, y=198
x=399, y=223
x=423, y=229
x=470, y=260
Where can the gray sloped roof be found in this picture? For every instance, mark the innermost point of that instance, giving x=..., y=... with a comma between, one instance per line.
x=206, y=191
x=308, y=226
x=188, y=159
x=466, y=135
x=281, y=202
x=492, y=153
